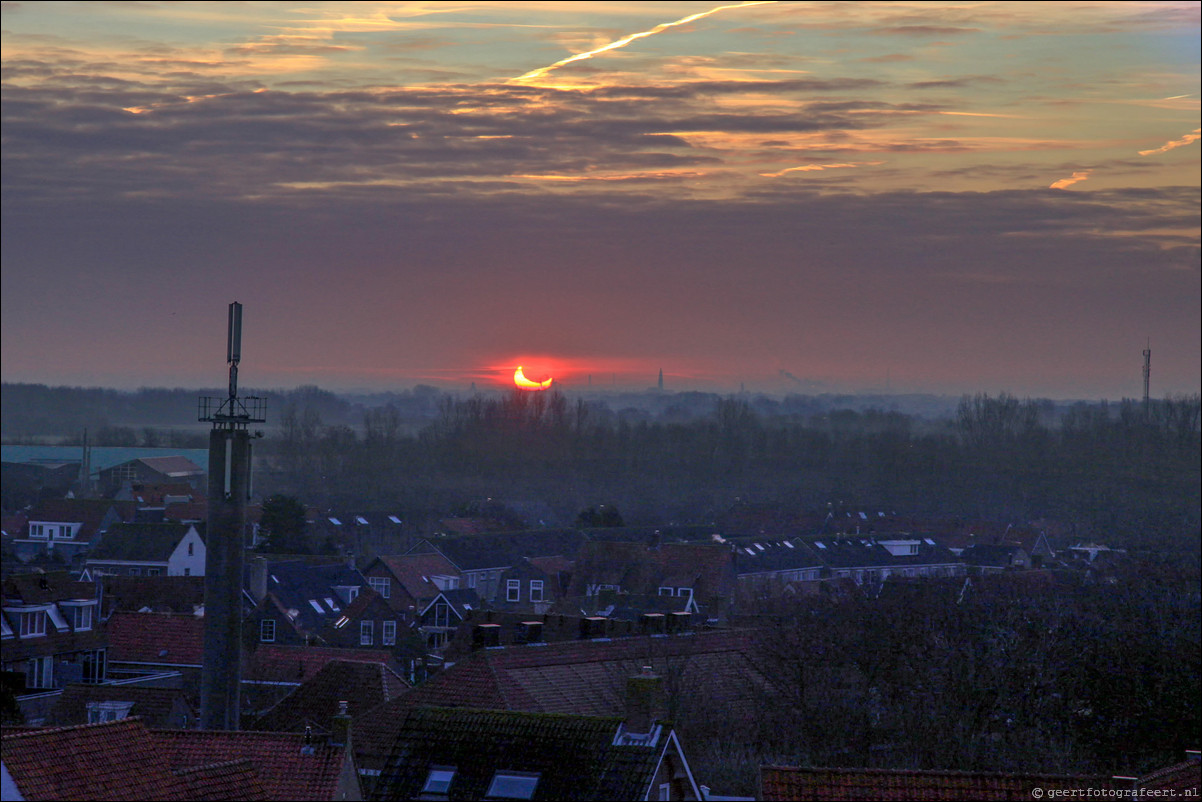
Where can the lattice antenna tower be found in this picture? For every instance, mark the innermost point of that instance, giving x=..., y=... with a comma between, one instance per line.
x=1148, y=380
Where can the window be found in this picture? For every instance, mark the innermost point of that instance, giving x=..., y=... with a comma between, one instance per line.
x=471, y=580
x=687, y=592
x=365, y=633
x=438, y=781
x=65, y=532
x=191, y=549
x=513, y=785
x=665, y=791
x=442, y=614
x=381, y=585
x=135, y=572
x=187, y=572
x=37, y=530
x=267, y=630
x=513, y=590
x=536, y=590
x=83, y=617
x=39, y=673
x=667, y=591
x=33, y=624
x=100, y=712
x=152, y=572
x=388, y=633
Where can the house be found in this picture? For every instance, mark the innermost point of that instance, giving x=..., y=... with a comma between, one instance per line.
x=442, y=615
x=174, y=469
x=780, y=783
x=95, y=704
x=769, y=567
x=152, y=594
x=67, y=527
x=142, y=644
x=299, y=595
x=123, y=760
x=272, y=671
x=702, y=572
x=409, y=581
x=587, y=677
x=148, y=549
x=367, y=622
x=361, y=685
x=871, y=560
x=482, y=559
x=988, y=558
x=51, y=631
x=488, y=754
x=117, y=761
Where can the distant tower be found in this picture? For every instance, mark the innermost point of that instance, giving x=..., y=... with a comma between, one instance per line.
x=1148, y=380
x=661, y=380
x=85, y=468
x=229, y=488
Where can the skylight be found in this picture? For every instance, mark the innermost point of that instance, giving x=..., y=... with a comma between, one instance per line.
x=394, y=519
x=359, y=519
x=317, y=607
x=789, y=545
x=335, y=521
x=928, y=541
x=820, y=544
x=758, y=546
x=438, y=781
x=330, y=603
x=512, y=785
x=749, y=551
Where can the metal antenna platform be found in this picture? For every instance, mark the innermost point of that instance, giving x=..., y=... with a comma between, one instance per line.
x=232, y=412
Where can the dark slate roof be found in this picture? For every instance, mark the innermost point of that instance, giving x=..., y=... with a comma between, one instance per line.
x=148, y=542
x=154, y=706
x=89, y=513
x=279, y=663
x=298, y=582
x=766, y=555
x=574, y=756
x=887, y=785
x=863, y=552
x=994, y=556
x=175, y=466
x=362, y=685
x=503, y=549
x=413, y=572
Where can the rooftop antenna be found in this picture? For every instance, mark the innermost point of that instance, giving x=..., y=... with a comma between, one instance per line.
x=1148, y=381
x=230, y=487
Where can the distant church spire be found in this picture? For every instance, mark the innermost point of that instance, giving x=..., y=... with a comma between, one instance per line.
x=661, y=379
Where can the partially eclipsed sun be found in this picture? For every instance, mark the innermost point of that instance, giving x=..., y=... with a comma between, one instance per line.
x=521, y=381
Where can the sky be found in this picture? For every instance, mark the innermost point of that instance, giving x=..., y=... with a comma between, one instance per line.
x=951, y=197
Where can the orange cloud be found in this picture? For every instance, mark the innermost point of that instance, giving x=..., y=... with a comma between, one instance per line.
x=1064, y=183
x=1176, y=143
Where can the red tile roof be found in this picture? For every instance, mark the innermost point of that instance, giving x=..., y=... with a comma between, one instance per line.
x=361, y=685
x=300, y=663
x=285, y=772
x=168, y=638
x=114, y=761
x=234, y=779
x=886, y=785
x=1180, y=777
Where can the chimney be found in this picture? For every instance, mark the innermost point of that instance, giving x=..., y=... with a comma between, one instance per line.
x=592, y=626
x=340, y=727
x=529, y=632
x=652, y=623
x=307, y=743
x=644, y=701
x=485, y=636
x=258, y=578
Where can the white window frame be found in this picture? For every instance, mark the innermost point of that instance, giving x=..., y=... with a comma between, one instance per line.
x=33, y=623
x=667, y=591
x=388, y=633
x=442, y=610
x=665, y=791
x=38, y=531
x=513, y=590
x=536, y=590
x=267, y=630
x=83, y=618
x=381, y=585
x=41, y=671
x=367, y=633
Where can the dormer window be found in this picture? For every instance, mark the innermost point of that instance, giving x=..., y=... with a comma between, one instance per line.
x=33, y=624
x=83, y=617
x=513, y=785
x=438, y=781
x=267, y=630
x=37, y=530
x=513, y=590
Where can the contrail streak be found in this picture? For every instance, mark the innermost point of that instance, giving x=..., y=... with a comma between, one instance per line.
x=625, y=40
